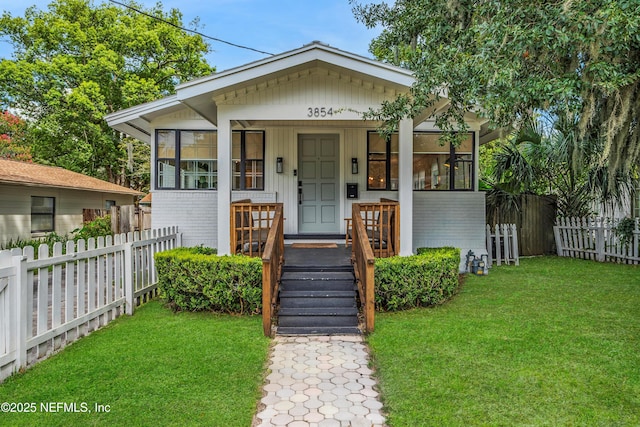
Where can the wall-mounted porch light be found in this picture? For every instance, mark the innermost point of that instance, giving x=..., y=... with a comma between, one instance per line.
x=354, y=165
x=279, y=165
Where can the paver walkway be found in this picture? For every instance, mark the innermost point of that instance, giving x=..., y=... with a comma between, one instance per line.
x=319, y=381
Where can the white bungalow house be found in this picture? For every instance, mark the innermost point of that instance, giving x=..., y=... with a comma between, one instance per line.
x=288, y=129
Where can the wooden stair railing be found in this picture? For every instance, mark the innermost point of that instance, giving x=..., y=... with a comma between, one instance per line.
x=363, y=261
x=272, y=261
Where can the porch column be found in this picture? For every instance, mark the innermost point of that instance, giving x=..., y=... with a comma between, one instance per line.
x=224, y=183
x=405, y=186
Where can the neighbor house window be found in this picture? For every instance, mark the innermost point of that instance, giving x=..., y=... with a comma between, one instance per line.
x=442, y=167
x=382, y=161
x=248, y=160
x=636, y=204
x=108, y=204
x=186, y=159
x=42, y=214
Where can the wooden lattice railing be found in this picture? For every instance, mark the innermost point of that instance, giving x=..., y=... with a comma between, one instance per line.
x=250, y=224
x=382, y=224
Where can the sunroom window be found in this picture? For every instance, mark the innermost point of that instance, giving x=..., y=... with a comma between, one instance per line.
x=435, y=166
x=382, y=162
x=442, y=167
x=248, y=160
x=195, y=151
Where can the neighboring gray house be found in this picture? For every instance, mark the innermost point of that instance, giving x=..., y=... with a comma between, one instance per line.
x=37, y=199
x=289, y=129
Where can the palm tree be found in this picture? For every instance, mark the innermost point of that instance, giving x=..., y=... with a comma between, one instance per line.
x=554, y=161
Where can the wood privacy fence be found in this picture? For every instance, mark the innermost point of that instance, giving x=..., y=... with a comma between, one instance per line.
x=502, y=244
x=124, y=219
x=51, y=300
x=534, y=218
x=597, y=239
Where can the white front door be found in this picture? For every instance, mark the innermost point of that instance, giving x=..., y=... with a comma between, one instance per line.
x=318, y=183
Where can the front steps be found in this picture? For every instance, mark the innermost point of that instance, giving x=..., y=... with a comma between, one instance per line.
x=318, y=301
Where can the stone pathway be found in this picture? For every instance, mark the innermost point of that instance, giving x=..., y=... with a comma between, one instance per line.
x=319, y=381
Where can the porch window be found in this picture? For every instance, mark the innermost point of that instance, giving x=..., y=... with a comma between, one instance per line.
x=435, y=166
x=195, y=153
x=382, y=161
x=442, y=167
x=248, y=160
x=42, y=214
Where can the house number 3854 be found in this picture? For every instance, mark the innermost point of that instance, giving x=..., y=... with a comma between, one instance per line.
x=319, y=112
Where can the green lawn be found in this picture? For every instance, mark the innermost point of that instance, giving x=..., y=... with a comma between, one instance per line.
x=153, y=369
x=552, y=342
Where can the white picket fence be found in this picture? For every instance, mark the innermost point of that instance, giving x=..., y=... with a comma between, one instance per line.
x=502, y=244
x=595, y=239
x=47, y=302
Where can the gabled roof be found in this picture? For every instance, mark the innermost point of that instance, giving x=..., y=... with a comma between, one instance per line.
x=31, y=174
x=199, y=94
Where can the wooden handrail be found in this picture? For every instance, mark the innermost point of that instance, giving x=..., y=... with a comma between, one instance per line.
x=272, y=261
x=364, y=265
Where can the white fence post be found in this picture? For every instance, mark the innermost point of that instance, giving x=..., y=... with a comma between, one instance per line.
x=489, y=246
x=22, y=310
x=514, y=243
x=600, y=244
x=129, y=288
x=504, y=241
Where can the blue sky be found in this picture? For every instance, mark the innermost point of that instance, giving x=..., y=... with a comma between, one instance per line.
x=269, y=25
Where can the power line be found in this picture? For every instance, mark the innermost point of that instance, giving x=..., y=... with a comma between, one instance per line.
x=188, y=30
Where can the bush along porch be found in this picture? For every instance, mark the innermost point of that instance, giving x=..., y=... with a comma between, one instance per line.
x=196, y=279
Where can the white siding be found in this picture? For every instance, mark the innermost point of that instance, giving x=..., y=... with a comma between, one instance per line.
x=450, y=218
x=315, y=87
x=15, y=209
x=194, y=212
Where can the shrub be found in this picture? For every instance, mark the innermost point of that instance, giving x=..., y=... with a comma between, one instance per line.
x=98, y=227
x=49, y=239
x=195, y=279
x=426, y=279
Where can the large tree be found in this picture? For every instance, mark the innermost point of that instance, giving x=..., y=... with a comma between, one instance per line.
x=77, y=62
x=513, y=58
x=13, y=144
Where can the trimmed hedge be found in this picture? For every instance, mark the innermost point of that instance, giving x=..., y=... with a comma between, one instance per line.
x=195, y=279
x=428, y=278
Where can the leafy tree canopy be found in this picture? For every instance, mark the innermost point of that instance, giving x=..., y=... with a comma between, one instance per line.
x=77, y=62
x=12, y=138
x=511, y=58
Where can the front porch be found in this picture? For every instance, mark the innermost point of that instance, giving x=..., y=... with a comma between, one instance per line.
x=328, y=281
